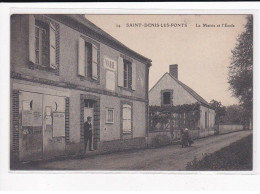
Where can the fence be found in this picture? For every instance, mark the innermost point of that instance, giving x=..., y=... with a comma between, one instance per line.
x=166, y=123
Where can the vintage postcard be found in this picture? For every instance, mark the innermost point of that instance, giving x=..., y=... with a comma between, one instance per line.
x=170, y=92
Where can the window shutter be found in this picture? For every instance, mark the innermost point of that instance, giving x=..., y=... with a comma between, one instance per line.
x=133, y=76
x=81, y=57
x=94, y=62
x=32, y=39
x=52, y=31
x=120, y=72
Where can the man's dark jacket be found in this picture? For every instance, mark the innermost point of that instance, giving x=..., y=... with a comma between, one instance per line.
x=87, y=130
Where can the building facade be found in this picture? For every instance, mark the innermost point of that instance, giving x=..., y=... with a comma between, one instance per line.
x=170, y=91
x=64, y=69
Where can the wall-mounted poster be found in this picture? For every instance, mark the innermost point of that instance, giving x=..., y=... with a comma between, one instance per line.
x=58, y=124
x=37, y=119
x=26, y=105
x=48, y=118
x=27, y=118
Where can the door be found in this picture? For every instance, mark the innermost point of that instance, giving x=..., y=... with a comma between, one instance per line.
x=31, y=136
x=89, y=112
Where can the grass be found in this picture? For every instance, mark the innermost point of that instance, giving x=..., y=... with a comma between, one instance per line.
x=236, y=156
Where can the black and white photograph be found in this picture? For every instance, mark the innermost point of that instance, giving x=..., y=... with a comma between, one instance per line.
x=111, y=92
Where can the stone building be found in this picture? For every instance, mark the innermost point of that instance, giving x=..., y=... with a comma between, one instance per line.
x=64, y=69
x=171, y=91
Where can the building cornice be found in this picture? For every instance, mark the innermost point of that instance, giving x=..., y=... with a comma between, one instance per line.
x=73, y=86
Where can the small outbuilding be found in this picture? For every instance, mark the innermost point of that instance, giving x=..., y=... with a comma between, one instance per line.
x=169, y=91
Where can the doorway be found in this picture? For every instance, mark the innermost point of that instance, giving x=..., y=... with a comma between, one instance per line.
x=89, y=112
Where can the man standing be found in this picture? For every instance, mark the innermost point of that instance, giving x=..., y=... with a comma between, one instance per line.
x=88, y=134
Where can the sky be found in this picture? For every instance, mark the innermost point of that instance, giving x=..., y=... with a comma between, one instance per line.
x=203, y=53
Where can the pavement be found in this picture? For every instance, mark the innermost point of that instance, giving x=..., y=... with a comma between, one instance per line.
x=169, y=158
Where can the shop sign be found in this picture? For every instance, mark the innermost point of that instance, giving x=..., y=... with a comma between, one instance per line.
x=109, y=64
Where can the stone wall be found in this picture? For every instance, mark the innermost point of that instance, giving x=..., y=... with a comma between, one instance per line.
x=228, y=128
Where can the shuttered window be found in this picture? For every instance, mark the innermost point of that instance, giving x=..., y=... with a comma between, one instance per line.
x=126, y=74
x=43, y=43
x=32, y=38
x=120, y=72
x=87, y=59
x=94, y=62
x=52, y=32
x=127, y=118
x=81, y=57
x=133, y=76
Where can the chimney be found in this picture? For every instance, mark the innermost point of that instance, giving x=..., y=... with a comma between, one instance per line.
x=173, y=70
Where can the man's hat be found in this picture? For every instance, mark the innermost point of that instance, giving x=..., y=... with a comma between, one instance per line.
x=89, y=117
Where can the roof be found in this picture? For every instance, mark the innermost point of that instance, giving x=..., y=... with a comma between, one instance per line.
x=83, y=20
x=189, y=90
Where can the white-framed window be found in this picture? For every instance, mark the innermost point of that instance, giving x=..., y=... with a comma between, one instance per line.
x=41, y=44
x=109, y=115
x=127, y=118
x=87, y=59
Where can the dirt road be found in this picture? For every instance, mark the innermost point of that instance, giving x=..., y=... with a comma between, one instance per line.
x=173, y=158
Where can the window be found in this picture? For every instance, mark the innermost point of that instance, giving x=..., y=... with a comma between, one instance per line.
x=127, y=118
x=41, y=43
x=127, y=74
x=206, y=120
x=109, y=115
x=89, y=103
x=167, y=98
x=88, y=59
x=43, y=36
